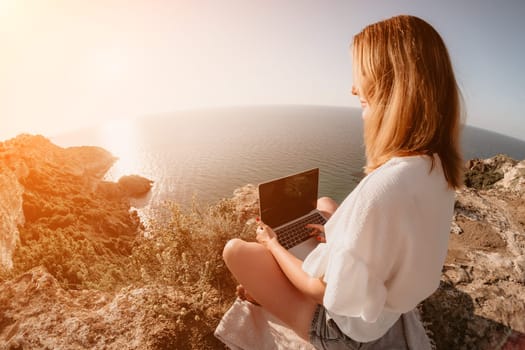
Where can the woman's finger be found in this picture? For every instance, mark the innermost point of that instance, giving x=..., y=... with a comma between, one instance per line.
x=259, y=230
x=264, y=233
x=316, y=229
x=320, y=239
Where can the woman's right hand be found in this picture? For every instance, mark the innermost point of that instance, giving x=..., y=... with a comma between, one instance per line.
x=265, y=234
x=317, y=231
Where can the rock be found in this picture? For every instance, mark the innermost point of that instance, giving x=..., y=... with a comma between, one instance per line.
x=48, y=190
x=482, y=174
x=134, y=185
x=500, y=171
x=455, y=229
x=481, y=301
x=36, y=313
x=10, y=213
x=246, y=199
x=28, y=151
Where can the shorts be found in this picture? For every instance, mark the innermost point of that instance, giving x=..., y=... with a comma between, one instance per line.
x=327, y=335
x=406, y=333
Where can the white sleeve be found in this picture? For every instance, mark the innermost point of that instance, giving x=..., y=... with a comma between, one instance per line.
x=360, y=257
x=352, y=289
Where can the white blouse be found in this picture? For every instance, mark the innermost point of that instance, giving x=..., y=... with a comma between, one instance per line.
x=385, y=246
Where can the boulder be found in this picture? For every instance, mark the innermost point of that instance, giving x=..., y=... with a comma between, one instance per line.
x=135, y=185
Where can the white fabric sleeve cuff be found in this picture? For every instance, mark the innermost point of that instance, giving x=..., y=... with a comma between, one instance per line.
x=352, y=289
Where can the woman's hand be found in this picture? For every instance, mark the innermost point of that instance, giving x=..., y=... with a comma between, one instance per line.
x=318, y=231
x=265, y=235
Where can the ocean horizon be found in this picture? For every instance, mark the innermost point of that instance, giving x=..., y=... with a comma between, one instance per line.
x=204, y=155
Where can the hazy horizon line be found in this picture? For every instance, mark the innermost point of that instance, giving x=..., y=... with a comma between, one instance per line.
x=165, y=114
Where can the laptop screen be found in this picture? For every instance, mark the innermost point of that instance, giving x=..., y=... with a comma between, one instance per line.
x=288, y=198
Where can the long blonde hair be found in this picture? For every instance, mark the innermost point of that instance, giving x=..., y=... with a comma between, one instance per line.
x=403, y=69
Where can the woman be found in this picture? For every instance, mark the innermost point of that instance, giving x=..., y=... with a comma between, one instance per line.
x=386, y=243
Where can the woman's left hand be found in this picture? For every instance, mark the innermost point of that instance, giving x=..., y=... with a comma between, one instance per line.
x=317, y=231
x=265, y=234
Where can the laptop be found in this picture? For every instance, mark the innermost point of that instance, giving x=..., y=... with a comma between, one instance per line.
x=287, y=205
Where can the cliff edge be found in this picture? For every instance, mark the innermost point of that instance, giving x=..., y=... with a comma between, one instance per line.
x=49, y=193
x=80, y=276
x=481, y=300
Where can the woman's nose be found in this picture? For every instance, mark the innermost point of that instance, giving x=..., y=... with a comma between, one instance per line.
x=354, y=91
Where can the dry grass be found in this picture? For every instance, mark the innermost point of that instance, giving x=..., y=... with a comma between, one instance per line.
x=182, y=248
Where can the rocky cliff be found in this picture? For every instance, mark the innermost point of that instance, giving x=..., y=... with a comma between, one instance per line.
x=77, y=272
x=80, y=279
x=481, y=301
x=11, y=213
x=49, y=193
x=34, y=174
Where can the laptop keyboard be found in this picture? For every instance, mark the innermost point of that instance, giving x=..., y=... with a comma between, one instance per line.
x=292, y=234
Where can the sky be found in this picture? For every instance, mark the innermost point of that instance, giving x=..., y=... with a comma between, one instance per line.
x=69, y=64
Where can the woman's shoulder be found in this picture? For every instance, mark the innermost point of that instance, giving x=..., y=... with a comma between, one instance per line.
x=408, y=169
x=401, y=177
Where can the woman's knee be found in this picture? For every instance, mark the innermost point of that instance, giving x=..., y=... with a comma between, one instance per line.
x=327, y=206
x=231, y=250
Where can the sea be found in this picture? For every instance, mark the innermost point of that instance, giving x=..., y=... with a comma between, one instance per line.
x=204, y=155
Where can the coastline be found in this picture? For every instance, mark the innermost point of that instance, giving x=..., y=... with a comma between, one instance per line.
x=91, y=279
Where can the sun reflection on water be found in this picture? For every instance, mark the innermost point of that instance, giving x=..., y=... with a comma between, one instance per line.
x=121, y=138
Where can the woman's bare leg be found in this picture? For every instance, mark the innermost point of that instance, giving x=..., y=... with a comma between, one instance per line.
x=262, y=280
x=256, y=270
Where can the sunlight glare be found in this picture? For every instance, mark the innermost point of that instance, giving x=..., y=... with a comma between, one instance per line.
x=6, y=6
x=120, y=138
x=110, y=64
x=8, y=14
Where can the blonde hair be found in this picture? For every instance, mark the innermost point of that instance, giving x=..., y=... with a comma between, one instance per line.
x=403, y=69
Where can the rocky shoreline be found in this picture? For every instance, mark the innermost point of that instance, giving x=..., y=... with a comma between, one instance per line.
x=49, y=194
x=52, y=194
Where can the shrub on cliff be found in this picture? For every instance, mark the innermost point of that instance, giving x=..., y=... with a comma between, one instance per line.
x=181, y=248
x=184, y=249
x=76, y=262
